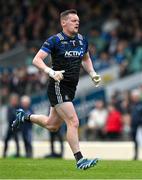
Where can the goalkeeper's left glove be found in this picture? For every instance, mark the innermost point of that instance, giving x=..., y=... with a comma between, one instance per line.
x=96, y=78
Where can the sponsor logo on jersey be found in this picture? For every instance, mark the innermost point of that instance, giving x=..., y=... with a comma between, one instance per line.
x=73, y=53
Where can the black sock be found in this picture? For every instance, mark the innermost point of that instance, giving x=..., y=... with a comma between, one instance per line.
x=78, y=156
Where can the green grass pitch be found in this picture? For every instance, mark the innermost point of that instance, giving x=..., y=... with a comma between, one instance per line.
x=65, y=169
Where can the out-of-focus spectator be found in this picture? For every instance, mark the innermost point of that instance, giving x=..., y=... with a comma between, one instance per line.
x=53, y=137
x=116, y=99
x=113, y=41
x=125, y=107
x=111, y=24
x=96, y=121
x=136, y=64
x=103, y=61
x=140, y=88
x=92, y=51
x=96, y=39
x=137, y=39
x=126, y=118
x=26, y=128
x=121, y=58
x=113, y=126
x=11, y=115
x=136, y=113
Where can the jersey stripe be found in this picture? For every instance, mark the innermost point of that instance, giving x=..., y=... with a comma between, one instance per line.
x=60, y=36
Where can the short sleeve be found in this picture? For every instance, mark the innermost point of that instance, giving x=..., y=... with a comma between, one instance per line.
x=48, y=45
x=86, y=45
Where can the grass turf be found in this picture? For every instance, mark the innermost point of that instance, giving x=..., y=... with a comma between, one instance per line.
x=65, y=169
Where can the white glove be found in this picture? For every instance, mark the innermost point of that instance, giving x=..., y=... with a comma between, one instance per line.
x=56, y=75
x=96, y=78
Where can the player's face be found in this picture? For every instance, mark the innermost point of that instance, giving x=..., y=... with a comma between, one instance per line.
x=71, y=24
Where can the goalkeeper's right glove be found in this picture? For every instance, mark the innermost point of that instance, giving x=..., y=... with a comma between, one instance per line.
x=96, y=78
x=56, y=75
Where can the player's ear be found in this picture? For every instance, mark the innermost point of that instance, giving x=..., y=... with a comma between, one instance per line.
x=63, y=22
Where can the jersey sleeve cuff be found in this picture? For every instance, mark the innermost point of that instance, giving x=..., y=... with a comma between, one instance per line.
x=46, y=49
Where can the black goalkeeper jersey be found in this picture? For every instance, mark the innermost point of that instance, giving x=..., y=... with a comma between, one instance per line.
x=66, y=53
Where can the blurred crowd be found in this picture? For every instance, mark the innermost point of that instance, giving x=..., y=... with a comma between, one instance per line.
x=113, y=29
x=119, y=119
x=22, y=81
x=113, y=120
x=25, y=130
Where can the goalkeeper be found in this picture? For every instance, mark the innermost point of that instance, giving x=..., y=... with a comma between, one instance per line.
x=68, y=50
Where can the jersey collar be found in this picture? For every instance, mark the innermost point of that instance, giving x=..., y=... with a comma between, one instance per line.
x=68, y=37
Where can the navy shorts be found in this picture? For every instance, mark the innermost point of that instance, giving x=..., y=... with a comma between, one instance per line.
x=59, y=92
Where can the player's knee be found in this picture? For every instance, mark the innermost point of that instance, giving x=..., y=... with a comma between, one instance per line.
x=76, y=124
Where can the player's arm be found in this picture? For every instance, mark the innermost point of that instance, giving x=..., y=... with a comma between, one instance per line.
x=38, y=61
x=88, y=66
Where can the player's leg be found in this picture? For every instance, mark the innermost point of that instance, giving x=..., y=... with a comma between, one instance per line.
x=67, y=112
x=51, y=122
